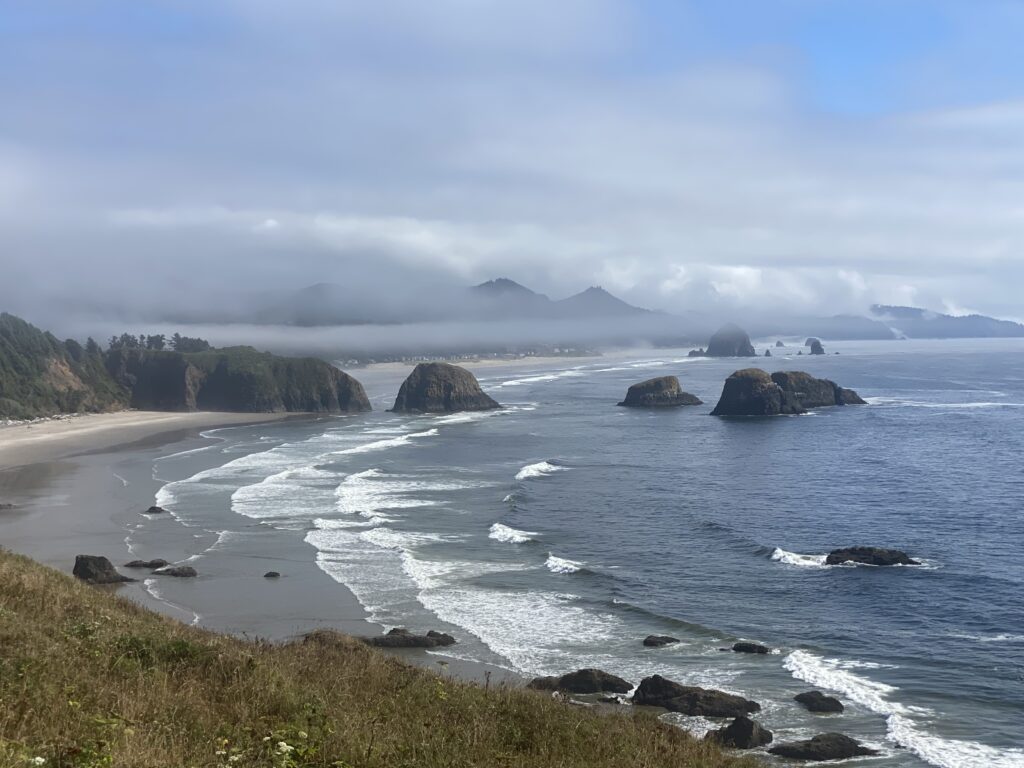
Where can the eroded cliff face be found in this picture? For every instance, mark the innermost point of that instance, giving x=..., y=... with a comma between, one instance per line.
x=441, y=388
x=238, y=379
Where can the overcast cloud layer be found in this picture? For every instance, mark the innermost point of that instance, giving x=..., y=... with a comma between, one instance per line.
x=686, y=156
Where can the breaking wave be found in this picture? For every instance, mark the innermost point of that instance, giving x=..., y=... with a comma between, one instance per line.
x=540, y=469
x=508, y=535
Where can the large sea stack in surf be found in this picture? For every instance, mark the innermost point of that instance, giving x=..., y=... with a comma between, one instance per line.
x=660, y=392
x=441, y=388
x=730, y=341
x=753, y=392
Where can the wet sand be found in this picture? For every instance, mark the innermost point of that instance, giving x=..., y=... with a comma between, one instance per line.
x=80, y=486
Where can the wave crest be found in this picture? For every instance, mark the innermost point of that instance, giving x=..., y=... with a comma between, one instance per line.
x=540, y=469
x=509, y=535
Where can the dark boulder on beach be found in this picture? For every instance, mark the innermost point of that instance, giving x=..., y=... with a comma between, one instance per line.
x=750, y=648
x=753, y=392
x=155, y=510
x=869, y=556
x=151, y=564
x=441, y=388
x=582, y=681
x=657, y=641
x=657, y=691
x=741, y=733
x=824, y=746
x=660, y=392
x=94, y=569
x=817, y=348
x=403, y=638
x=179, y=571
x=271, y=575
x=816, y=701
x=730, y=341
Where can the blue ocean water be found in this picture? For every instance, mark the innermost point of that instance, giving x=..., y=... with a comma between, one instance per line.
x=559, y=531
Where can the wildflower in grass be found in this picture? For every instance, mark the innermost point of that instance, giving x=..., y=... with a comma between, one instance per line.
x=284, y=747
x=303, y=735
x=38, y=761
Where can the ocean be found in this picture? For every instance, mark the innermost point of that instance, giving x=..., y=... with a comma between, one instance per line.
x=557, y=532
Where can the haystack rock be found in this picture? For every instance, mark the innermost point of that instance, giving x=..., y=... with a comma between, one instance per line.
x=730, y=341
x=767, y=353
x=662, y=392
x=817, y=348
x=741, y=733
x=441, y=388
x=779, y=343
x=869, y=556
x=93, y=569
x=825, y=746
x=752, y=392
x=657, y=691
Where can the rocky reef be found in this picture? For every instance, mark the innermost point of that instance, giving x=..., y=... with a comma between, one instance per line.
x=825, y=746
x=730, y=341
x=869, y=556
x=816, y=701
x=753, y=392
x=741, y=733
x=403, y=638
x=657, y=691
x=660, y=392
x=441, y=388
x=582, y=681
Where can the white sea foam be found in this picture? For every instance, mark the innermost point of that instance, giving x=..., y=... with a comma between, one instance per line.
x=540, y=469
x=561, y=565
x=793, y=558
x=510, y=535
x=393, y=442
x=902, y=725
x=894, y=402
x=1002, y=637
x=543, y=377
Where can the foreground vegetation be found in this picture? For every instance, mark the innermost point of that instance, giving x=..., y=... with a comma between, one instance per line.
x=89, y=679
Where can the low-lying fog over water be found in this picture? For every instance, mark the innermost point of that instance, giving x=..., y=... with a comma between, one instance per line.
x=557, y=532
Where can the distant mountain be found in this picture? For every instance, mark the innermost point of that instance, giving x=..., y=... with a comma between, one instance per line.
x=917, y=323
x=596, y=302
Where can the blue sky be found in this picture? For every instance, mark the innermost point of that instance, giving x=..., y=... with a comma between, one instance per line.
x=814, y=154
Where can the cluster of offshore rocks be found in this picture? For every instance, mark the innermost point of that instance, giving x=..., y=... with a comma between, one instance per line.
x=740, y=733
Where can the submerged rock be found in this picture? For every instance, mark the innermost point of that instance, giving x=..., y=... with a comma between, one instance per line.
x=441, y=388
x=660, y=392
x=180, y=571
x=741, y=733
x=94, y=569
x=582, y=681
x=816, y=701
x=730, y=341
x=824, y=746
x=750, y=648
x=657, y=691
x=151, y=564
x=403, y=638
x=752, y=392
x=656, y=641
x=869, y=556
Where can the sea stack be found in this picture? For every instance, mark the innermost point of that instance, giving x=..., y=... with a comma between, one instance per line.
x=441, y=388
x=816, y=347
x=752, y=392
x=730, y=341
x=661, y=392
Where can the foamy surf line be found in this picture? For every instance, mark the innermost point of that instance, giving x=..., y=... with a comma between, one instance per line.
x=562, y=565
x=902, y=729
x=780, y=555
x=504, y=533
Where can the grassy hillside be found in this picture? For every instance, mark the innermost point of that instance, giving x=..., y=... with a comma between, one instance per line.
x=90, y=680
x=40, y=375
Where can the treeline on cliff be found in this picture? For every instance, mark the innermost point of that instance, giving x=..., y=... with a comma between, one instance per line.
x=41, y=375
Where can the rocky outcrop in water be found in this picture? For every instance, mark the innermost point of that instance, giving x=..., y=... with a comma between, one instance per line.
x=660, y=392
x=403, y=638
x=178, y=571
x=817, y=348
x=657, y=641
x=816, y=701
x=271, y=575
x=150, y=564
x=696, y=353
x=750, y=648
x=741, y=733
x=657, y=691
x=779, y=343
x=94, y=569
x=730, y=341
x=753, y=392
x=441, y=388
x=155, y=510
x=869, y=556
x=582, y=681
x=825, y=746
x=767, y=353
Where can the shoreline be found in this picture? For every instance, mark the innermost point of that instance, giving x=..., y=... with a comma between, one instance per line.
x=79, y=486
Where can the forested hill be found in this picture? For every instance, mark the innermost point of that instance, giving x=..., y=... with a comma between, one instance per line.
x=41, y=376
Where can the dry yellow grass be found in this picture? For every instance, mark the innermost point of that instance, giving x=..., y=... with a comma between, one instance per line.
x=88, y=679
